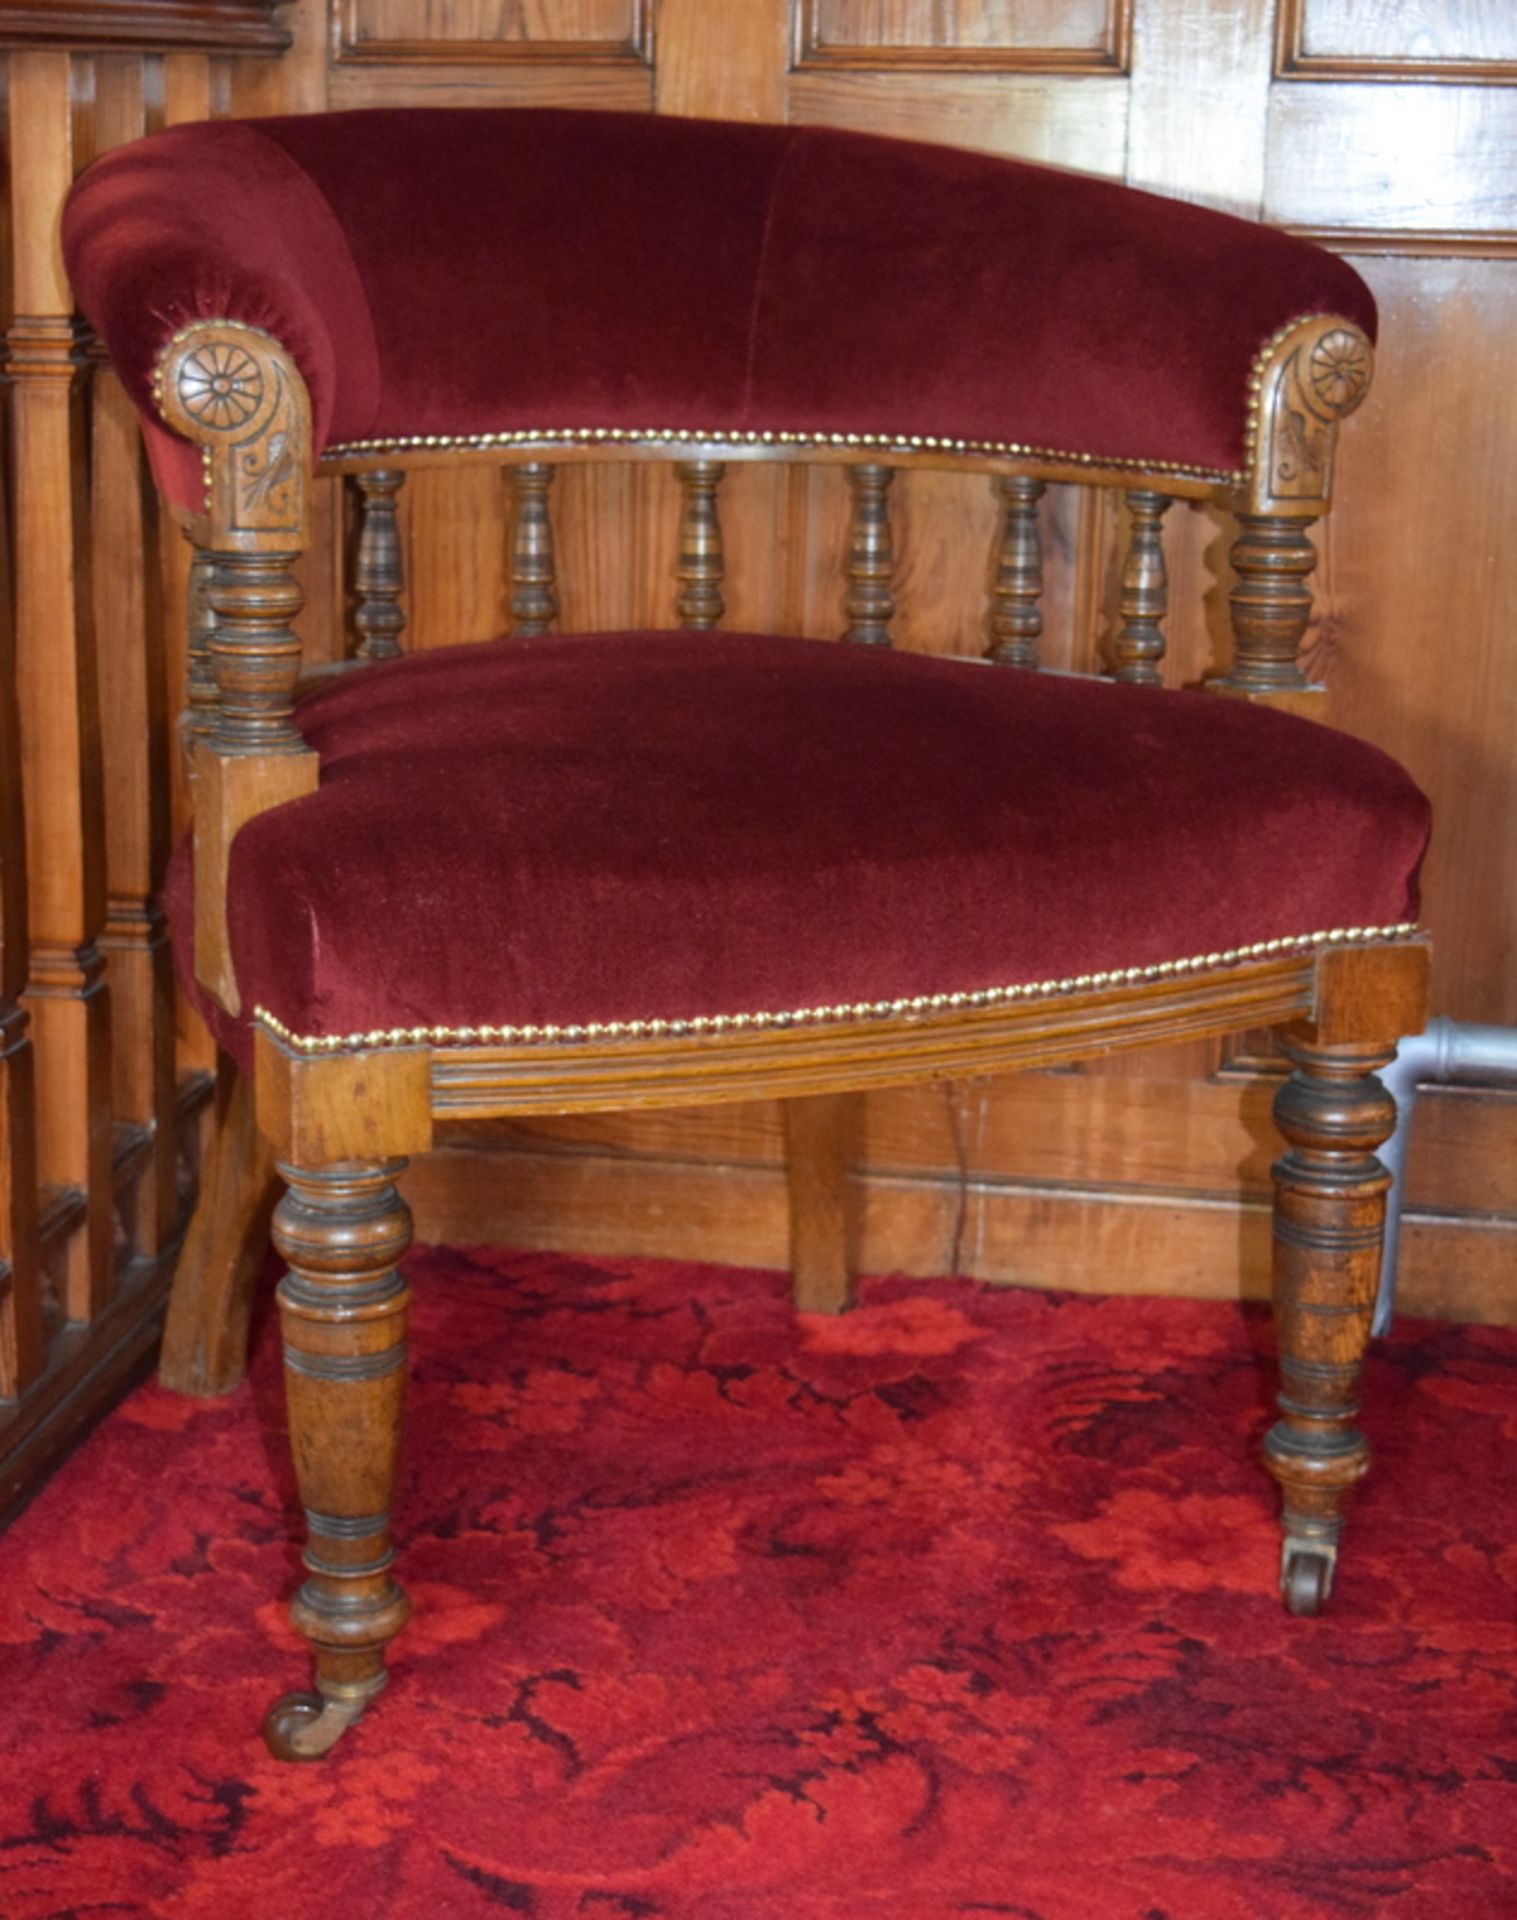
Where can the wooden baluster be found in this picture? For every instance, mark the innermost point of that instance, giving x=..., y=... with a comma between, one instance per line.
x=1145, y=592
x=379, y=570
x=1271, y=605
x=700, y=603
x=134, y=740
x=1016, y=621
x=22, y=1335
x=56, y=688
x=870, y=605
x=534, y=576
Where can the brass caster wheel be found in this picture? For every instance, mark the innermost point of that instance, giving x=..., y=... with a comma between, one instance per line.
x=304, y=1726
x=1306, y=1581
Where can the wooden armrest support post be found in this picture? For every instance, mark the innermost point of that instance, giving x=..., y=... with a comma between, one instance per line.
x=1311, y=376
x=236, y=394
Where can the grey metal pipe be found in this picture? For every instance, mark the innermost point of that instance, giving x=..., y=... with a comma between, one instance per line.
x=1448, y=1053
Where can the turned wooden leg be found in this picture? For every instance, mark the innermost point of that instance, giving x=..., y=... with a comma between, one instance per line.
x=1329, y=1216
x=205, y=1337
x=819, y=1137
x=343, y=1307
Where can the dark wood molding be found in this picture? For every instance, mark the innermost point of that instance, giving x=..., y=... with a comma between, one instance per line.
x=212, y=26
x=350, y=47
x=1113, y=55
x=1294, y=62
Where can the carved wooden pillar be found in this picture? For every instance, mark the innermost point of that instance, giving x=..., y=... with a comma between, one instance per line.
x=379, y=570
x=870, y=604
x=56, y=687
x=1329, y=1215
x=343, y=1230
x=1271, y=604
x=701, y=566
x=1016, y=620
x=534, y=575
x=1145, y=592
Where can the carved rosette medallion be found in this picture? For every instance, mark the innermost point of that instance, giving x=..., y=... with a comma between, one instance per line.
x=1339, y=371
x=220, y=386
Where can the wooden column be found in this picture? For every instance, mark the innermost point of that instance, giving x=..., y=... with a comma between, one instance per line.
x=134, y=743
x=701, y=565
x=534, y=565
x=21, y=1326
x=1271, y=604
x=379, y=580
x=56, y=688
x=1016, y=620
x=1145, y=592
x=870, y=604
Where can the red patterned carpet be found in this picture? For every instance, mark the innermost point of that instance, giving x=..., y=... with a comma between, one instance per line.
x=961, y=1605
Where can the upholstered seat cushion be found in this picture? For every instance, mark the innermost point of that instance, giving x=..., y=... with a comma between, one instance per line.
x=668, y=825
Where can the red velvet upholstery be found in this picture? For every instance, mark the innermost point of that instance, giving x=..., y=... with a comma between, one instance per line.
x=643, y=825
x=414, y=262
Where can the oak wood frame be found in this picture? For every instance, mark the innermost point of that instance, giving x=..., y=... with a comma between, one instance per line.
x=341, y=1118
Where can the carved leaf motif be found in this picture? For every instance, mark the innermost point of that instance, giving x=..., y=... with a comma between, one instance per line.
x=1298, y=451
x=278, y=468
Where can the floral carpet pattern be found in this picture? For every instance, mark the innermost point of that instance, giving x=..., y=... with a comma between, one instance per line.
x=962, y=1604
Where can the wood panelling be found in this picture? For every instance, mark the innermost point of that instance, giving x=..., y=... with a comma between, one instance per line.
x=1461, y=40
x=966, y=36
x=537, y=31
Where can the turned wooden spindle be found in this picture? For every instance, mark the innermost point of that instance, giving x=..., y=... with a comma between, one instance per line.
x=701, y=566
x=1271, y=605
x=253, y=601
x=1139, y=646
x=1330, y=1212
x=201, y=695
x=1016, y=620
x=343, y=1229
x=379, y=569
x=870, y=604
x=534, y=576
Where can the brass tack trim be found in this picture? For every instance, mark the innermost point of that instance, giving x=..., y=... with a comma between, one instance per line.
x=844, y=1012
x=803, y=440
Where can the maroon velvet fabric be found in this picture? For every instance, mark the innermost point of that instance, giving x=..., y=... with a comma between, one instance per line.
x=457, y=271
x=663, y=825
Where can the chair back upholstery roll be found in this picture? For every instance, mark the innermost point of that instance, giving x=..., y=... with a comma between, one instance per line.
x=468, y=272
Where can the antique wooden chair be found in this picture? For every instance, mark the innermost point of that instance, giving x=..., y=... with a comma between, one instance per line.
x=554, y=874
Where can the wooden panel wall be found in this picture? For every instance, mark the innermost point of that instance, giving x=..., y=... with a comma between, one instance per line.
x=1391, y=131
x=100, y=1096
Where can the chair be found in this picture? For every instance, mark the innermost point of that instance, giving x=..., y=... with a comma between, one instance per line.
x=556, y=874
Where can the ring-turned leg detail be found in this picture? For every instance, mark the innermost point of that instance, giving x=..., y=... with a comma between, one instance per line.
x=343, y=1230
x=1329, y=1219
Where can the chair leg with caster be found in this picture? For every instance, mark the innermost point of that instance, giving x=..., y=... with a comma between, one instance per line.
x=343, y=1229
x=1329, y=1216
